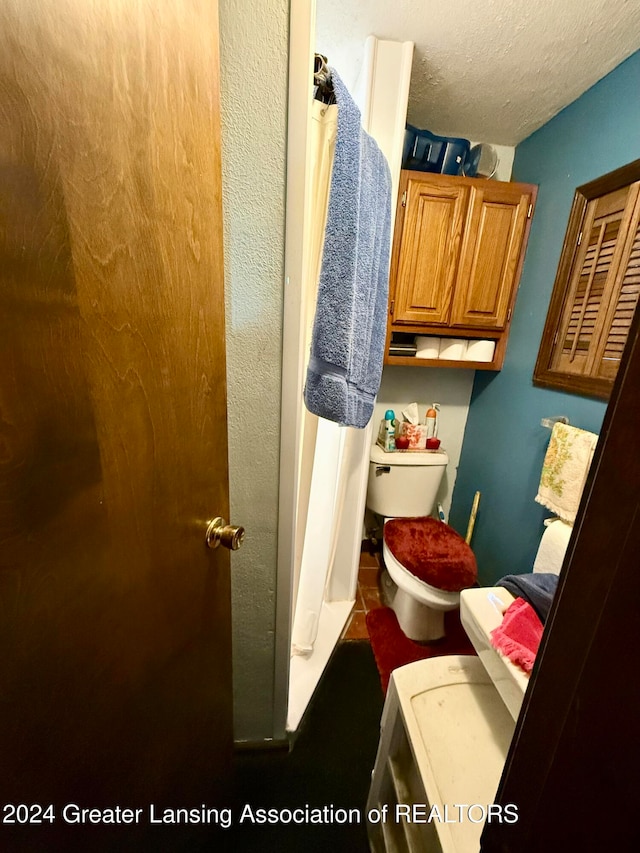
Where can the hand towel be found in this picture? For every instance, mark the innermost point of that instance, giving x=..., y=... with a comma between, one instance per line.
x=349, y=330
x=519, y=634
x=564, y=470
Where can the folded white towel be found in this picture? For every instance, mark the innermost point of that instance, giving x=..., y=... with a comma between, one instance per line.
x=564, y=470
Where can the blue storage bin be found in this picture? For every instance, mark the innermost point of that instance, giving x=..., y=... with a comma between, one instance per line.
x=425, y=152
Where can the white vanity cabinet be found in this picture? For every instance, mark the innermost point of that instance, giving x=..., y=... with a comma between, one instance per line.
x=445, y=733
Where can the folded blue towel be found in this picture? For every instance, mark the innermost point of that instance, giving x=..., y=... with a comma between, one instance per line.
x=349, y=330
x=538, y=589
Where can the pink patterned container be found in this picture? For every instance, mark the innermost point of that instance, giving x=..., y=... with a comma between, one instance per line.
x=416, y=433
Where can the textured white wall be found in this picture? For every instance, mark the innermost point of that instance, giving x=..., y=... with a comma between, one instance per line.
x=254, y=58
x=451, y=387
x=492, y=70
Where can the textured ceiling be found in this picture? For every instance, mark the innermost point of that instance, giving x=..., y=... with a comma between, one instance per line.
x=492, y=70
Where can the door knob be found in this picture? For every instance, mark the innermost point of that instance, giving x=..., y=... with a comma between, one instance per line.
x=219, y=532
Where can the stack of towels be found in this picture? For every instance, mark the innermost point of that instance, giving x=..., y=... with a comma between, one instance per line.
x=518, y=635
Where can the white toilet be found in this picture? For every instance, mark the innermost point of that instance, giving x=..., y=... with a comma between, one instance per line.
x=403, y=488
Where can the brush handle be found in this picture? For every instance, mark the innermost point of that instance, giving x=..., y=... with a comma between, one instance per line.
x=472, y=518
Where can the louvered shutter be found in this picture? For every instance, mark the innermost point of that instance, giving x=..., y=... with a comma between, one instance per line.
x=596, y=318
x=597, y=287
x=624, y=298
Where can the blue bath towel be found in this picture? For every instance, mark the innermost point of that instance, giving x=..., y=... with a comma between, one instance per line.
x=537, y=588
x=349, y=330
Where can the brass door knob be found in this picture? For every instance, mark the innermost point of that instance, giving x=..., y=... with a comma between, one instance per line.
x=219, y=532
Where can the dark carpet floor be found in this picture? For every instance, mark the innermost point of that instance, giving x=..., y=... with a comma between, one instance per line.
x=329, y=766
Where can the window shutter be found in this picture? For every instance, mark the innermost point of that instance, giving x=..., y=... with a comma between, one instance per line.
x=591, y=283
x=597, y=287
x=623, y=307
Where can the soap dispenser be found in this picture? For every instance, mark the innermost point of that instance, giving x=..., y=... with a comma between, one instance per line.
x=431, y=421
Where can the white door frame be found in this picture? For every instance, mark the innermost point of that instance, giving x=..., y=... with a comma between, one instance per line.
x=302, y=27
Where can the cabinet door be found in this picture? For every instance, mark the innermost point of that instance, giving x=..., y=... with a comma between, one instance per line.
x=429, y=249
x=491, y=254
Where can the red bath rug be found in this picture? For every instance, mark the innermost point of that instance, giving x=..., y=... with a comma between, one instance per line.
x=391, y=648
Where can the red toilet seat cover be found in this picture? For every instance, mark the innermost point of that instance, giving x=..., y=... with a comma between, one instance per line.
x=432, y=551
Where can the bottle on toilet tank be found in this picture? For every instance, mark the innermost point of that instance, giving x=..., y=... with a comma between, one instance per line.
x=389, y=430
x=431, y=421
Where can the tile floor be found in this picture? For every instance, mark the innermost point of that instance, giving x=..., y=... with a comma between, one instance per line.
x=367, y=596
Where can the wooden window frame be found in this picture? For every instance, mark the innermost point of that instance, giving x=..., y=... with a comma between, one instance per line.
x=544, y=375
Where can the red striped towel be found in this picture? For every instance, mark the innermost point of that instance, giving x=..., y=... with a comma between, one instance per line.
x=519, y=634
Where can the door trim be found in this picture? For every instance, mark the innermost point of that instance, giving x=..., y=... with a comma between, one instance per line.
x=595, y=603
x=302, y=26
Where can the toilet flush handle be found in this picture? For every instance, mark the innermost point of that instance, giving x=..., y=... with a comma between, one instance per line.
x=219, y=532
x=382, y=469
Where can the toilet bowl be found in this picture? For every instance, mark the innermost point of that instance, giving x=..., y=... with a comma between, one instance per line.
x=428, y=562
x=419, y=607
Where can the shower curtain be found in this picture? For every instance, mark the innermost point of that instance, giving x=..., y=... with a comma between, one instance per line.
x=333, y=469
x=320, y=484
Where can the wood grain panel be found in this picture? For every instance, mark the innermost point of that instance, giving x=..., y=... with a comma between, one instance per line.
x=113, y=448
x=429, y=251
x=491, y=255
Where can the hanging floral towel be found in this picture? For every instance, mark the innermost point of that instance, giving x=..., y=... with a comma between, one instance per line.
x=564, y=470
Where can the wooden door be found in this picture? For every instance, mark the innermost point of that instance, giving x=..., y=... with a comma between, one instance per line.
x=115, y=681
x=572, y=767
x=492, y=254
x=427, y=243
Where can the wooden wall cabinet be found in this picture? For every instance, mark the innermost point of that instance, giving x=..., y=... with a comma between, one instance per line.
x=457, y=255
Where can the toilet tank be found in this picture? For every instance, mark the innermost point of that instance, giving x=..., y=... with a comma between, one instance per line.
x=404, y=483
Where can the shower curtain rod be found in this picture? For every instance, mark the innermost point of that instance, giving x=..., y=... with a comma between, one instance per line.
x=323, y=86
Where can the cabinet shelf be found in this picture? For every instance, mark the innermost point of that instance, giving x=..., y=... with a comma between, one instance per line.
x=412, y=361
x=415, y=361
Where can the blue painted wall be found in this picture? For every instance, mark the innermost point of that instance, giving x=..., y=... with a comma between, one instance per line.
x=504, y=443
